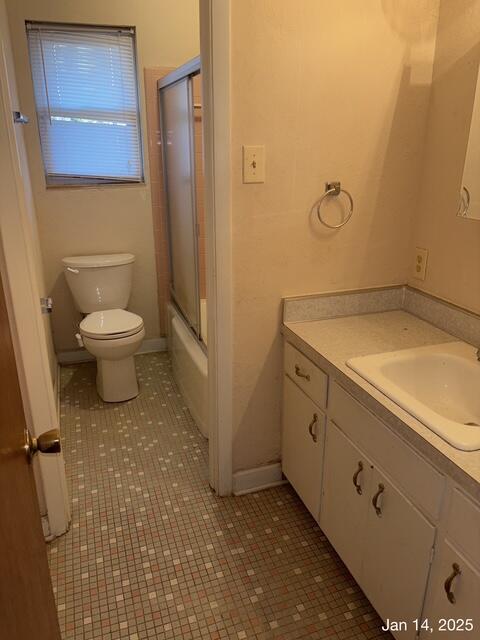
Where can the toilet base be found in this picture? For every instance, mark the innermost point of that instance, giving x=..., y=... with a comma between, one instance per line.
x=117, y=379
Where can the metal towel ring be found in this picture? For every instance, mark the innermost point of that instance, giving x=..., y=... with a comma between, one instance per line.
x=334, y=189
x=464, y=203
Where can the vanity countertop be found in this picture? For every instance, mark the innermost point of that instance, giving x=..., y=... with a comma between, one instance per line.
x=329, y=343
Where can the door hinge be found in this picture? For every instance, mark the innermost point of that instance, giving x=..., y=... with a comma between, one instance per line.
x=46, y=305
x=19, y=118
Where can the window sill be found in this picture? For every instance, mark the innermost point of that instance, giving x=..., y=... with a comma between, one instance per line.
x=75, y=184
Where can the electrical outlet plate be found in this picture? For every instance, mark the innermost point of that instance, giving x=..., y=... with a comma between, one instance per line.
x=421, y=257
x=253, y=164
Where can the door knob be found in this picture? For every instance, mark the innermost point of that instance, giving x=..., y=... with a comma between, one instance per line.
x=48, y=442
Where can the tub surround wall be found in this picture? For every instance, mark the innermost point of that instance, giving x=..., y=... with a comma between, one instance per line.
x=295, y=78
x=453, y=268
x=109, y=219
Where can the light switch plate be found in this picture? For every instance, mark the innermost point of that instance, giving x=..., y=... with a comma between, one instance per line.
x=253, y=164
x=421, y=257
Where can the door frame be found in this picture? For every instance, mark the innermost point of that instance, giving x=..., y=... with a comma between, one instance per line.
x=18, y=266
x=215, y=53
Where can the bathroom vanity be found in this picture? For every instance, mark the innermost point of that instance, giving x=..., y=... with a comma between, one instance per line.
x=398, y=503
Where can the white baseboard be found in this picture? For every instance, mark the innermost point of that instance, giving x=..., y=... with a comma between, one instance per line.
x=81, y=355
x=257, y=479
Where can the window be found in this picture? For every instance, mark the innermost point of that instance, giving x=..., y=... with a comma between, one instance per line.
x=85, y=86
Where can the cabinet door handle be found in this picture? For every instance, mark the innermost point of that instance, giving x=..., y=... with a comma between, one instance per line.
x=356, y=484
x=448, y=582
x=311, y=427
x=378, y=510
x=301, y=374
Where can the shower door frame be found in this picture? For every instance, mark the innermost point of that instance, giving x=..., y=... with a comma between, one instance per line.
x=185, y=72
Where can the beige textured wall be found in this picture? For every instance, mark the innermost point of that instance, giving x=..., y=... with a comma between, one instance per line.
x=453, y=270
x=335, y=90
x=105, y=219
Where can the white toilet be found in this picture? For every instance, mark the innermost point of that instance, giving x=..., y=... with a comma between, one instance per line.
x=101, y=287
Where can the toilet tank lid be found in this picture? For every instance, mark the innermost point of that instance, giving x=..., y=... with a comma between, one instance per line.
x=106, y=260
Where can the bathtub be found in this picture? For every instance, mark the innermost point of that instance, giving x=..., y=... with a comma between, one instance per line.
x=190, y=368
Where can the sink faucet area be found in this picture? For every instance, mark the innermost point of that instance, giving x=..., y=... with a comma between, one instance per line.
x=439, y=385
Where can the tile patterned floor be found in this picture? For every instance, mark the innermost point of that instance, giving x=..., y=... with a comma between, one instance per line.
x=152, y=553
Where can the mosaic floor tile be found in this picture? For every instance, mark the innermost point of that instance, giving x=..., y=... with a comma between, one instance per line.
x=153, y=553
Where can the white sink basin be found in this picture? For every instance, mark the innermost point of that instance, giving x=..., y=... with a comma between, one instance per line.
x=439, y=385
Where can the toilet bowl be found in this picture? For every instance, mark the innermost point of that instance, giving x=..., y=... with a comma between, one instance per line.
x=113, y=336
x=101, y=286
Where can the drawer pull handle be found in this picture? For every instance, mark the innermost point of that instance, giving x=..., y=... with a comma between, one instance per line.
x=378, y=510
x=356, y=484
x=301, y=374
x=311, y=427
x=448, y=582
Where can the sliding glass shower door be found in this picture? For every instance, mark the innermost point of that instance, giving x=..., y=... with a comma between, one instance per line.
x=178, y=142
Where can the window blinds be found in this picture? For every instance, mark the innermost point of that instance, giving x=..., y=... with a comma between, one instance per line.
x=85, y=88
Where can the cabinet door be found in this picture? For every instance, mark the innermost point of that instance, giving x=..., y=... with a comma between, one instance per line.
x=346, y=493
x=465, y=591
x=397, y=554
x=302, y=445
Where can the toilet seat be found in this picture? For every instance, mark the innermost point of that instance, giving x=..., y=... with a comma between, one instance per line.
x=111, y=324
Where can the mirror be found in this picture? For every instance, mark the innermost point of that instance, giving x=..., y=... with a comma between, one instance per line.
x=450, y=169
x=469, y=199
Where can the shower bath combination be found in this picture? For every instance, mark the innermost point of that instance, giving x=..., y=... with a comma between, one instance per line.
x=180, y=109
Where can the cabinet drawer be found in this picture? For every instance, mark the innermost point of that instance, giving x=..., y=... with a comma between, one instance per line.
x=303, y=442
x=306, y=374
x=416, y=476
x=463, y=525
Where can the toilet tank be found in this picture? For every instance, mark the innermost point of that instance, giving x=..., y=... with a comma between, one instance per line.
x=100, y=282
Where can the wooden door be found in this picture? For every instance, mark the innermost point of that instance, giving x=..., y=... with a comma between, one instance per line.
x=346, y=496
x=451, y=619
x=302, y=445
x=27, y=605
x=397, y=555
